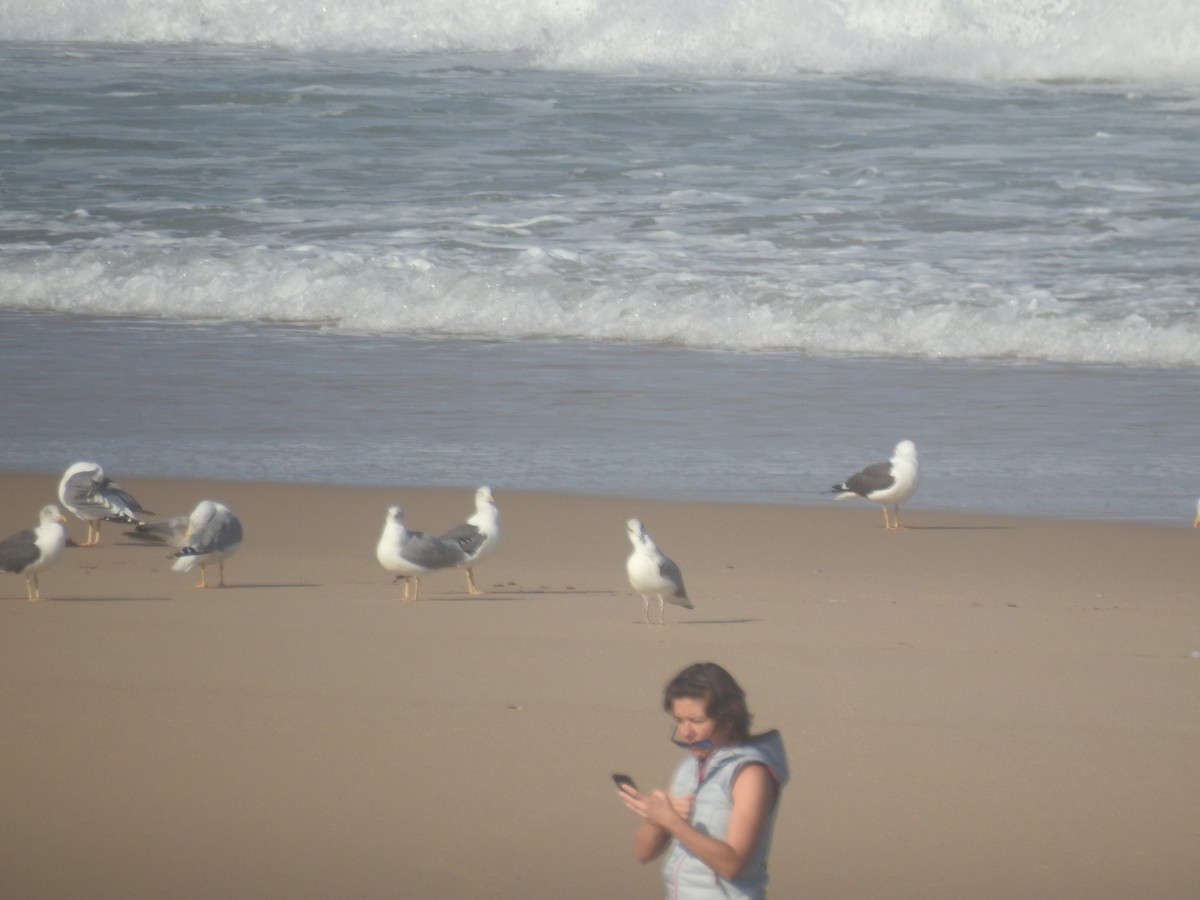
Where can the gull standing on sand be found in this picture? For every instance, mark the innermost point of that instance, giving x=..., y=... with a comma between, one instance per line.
x=86, y=492
x=478, y=536
x=28, y=552
x=652, y=574
x=887, y=483
x=213, y=535
x=410, y=554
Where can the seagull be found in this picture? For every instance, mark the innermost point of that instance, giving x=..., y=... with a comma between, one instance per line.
x=28, y=552
x=410, y=554
x=86, y=492
x=478, y=536
x=1196, y=521
x=889, y=483
x=172, y=532
x=652, y=574
x=213, y=535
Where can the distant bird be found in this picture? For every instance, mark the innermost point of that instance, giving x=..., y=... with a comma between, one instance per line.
x=410, y=554
x=888, y=483
x=652, y=574
x=28, y=552
x=213, y=535
x=86, y=492
x=478, y=536
x=1196, y=521
x=172, y=532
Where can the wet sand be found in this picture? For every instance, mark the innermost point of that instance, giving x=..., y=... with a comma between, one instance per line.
x=975, y=706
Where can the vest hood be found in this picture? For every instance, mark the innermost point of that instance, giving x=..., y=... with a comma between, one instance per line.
x=766, y=748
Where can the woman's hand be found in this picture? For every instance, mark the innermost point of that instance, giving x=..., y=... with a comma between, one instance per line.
x=658, y=807
x=633, y=799
x=683, y=806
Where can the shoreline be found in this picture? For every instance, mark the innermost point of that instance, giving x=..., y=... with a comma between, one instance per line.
x=815, y=505
x=603, y=419
x=983, y=705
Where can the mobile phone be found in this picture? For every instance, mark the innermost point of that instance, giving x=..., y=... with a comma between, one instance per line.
x=622, y=780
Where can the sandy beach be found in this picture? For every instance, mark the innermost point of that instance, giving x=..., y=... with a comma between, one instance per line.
x=974, y=707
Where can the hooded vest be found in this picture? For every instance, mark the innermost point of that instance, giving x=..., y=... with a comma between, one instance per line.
x=686, y=877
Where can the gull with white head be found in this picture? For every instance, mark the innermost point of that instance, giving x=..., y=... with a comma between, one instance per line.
x=652, y=574
x=410, y=554
x=34, y=549
x=478, y=536
x=887, y=483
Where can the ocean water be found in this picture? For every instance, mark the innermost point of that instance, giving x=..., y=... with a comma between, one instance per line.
x=728, y=251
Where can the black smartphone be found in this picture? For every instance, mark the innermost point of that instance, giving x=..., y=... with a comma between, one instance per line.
x=622, y=780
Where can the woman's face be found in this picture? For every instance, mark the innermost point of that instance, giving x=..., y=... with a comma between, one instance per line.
x=692, y=724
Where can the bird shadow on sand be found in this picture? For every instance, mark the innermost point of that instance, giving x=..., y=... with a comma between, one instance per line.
x=715, y=622
x=511, y=595
x=566, y=589
x=956, y=528
x=464, y=598
x=254, y=586
x=197, y=590
x=102, y=600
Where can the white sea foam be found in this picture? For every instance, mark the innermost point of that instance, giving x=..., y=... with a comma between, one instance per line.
x=350, y=292
x=1013, y=39
x=474, y=195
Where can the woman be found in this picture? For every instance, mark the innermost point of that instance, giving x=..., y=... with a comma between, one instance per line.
x=718, y=816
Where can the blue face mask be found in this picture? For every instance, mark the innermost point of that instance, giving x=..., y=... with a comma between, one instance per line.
x=705, y=744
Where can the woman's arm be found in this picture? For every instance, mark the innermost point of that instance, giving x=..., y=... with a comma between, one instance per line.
x=753, y=797
x=649, y=839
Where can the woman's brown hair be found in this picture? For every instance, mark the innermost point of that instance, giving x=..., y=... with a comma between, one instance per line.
x=724, y=700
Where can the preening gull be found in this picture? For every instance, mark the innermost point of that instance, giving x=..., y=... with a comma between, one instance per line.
x=86, y=492
x=888, y=483
x=410, y=554
x=652, y=574
x=213, y=535
x=478, y=536
x=172, y=532
x=28, y=552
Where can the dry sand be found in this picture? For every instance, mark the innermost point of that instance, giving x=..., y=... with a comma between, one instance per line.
x=975, y=707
